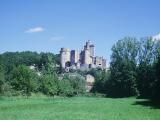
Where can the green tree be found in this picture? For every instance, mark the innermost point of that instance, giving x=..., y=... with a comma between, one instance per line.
x=65, y=86
x=156, y=87
x=49, y=84
x=146, y=70
x=24, y=80
x=2, y=77
x=17, y=74
x=49, y=63
x=123, y=68
x=78, y=83
x=101, y=76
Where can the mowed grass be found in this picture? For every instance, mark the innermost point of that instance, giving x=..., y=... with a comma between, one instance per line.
x=76, y=108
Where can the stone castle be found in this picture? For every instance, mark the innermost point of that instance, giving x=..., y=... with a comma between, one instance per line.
x=81, y=60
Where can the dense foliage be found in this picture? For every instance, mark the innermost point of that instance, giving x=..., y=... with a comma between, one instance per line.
x=134, y=69
x=23, y=73
x=123, y=68
x=148, y=70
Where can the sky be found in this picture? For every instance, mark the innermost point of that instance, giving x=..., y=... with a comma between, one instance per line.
x=48, y=25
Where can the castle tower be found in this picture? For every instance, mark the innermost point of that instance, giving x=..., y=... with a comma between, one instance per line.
x=91, y=49
x=87, y=54
x=87, y=46
x=65, y=56
x=74, y=57
x=87, y=58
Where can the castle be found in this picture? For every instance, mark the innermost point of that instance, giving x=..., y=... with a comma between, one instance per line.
x=72, y=59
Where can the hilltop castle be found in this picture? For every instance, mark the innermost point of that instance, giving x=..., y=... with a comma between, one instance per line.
x=84, y=59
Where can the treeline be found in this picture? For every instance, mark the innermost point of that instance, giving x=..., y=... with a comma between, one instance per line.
x=24, y=73
x=134, y=70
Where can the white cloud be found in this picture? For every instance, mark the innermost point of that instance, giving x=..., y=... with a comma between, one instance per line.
x=156, y=37
x=57, y=38
x=35, y=30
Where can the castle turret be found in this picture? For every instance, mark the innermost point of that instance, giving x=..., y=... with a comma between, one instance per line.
x=87, y=58
x=74, y=57
x=87, y=46
x=91, y=49
x=65, y=56
x=87, y=54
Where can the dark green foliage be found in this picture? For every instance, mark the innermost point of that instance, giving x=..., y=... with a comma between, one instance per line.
x=49, y=63
x=135, y=69
x=123, y=68
x=2, y=77
x=12, y=59
x=156, y=91
x=17, y=78
x=146, y=77
x=101, y=76
x=147, y=81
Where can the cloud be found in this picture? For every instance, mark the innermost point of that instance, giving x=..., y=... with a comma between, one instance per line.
x=57, y=38
x=156, y=37
x=35, y=30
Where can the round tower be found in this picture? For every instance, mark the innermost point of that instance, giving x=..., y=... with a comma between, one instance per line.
x=87, y=53
x=65, y=56
x=87, y=57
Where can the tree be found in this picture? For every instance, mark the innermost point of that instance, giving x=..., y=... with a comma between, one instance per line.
x=2, y=77
x=156, y=88
x=49, y=62
x=24, y=79
x=49, y=84
x=78, y=83
x=65, y=86
x=16, y=70
x=123, y=68
x=146, y=69
x=101, y=76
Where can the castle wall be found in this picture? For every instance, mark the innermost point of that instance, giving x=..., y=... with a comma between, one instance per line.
x=98, y=61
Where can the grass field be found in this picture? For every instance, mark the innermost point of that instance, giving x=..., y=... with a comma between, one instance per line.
x=77, y=108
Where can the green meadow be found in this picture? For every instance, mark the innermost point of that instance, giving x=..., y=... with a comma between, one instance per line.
x=78, y=108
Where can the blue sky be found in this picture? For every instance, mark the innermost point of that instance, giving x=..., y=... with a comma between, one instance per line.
x=48, y=25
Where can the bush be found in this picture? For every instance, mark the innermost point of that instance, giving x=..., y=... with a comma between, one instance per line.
x=72, y=84
x=49, y=84
x=65, y=87
x=23, y=79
